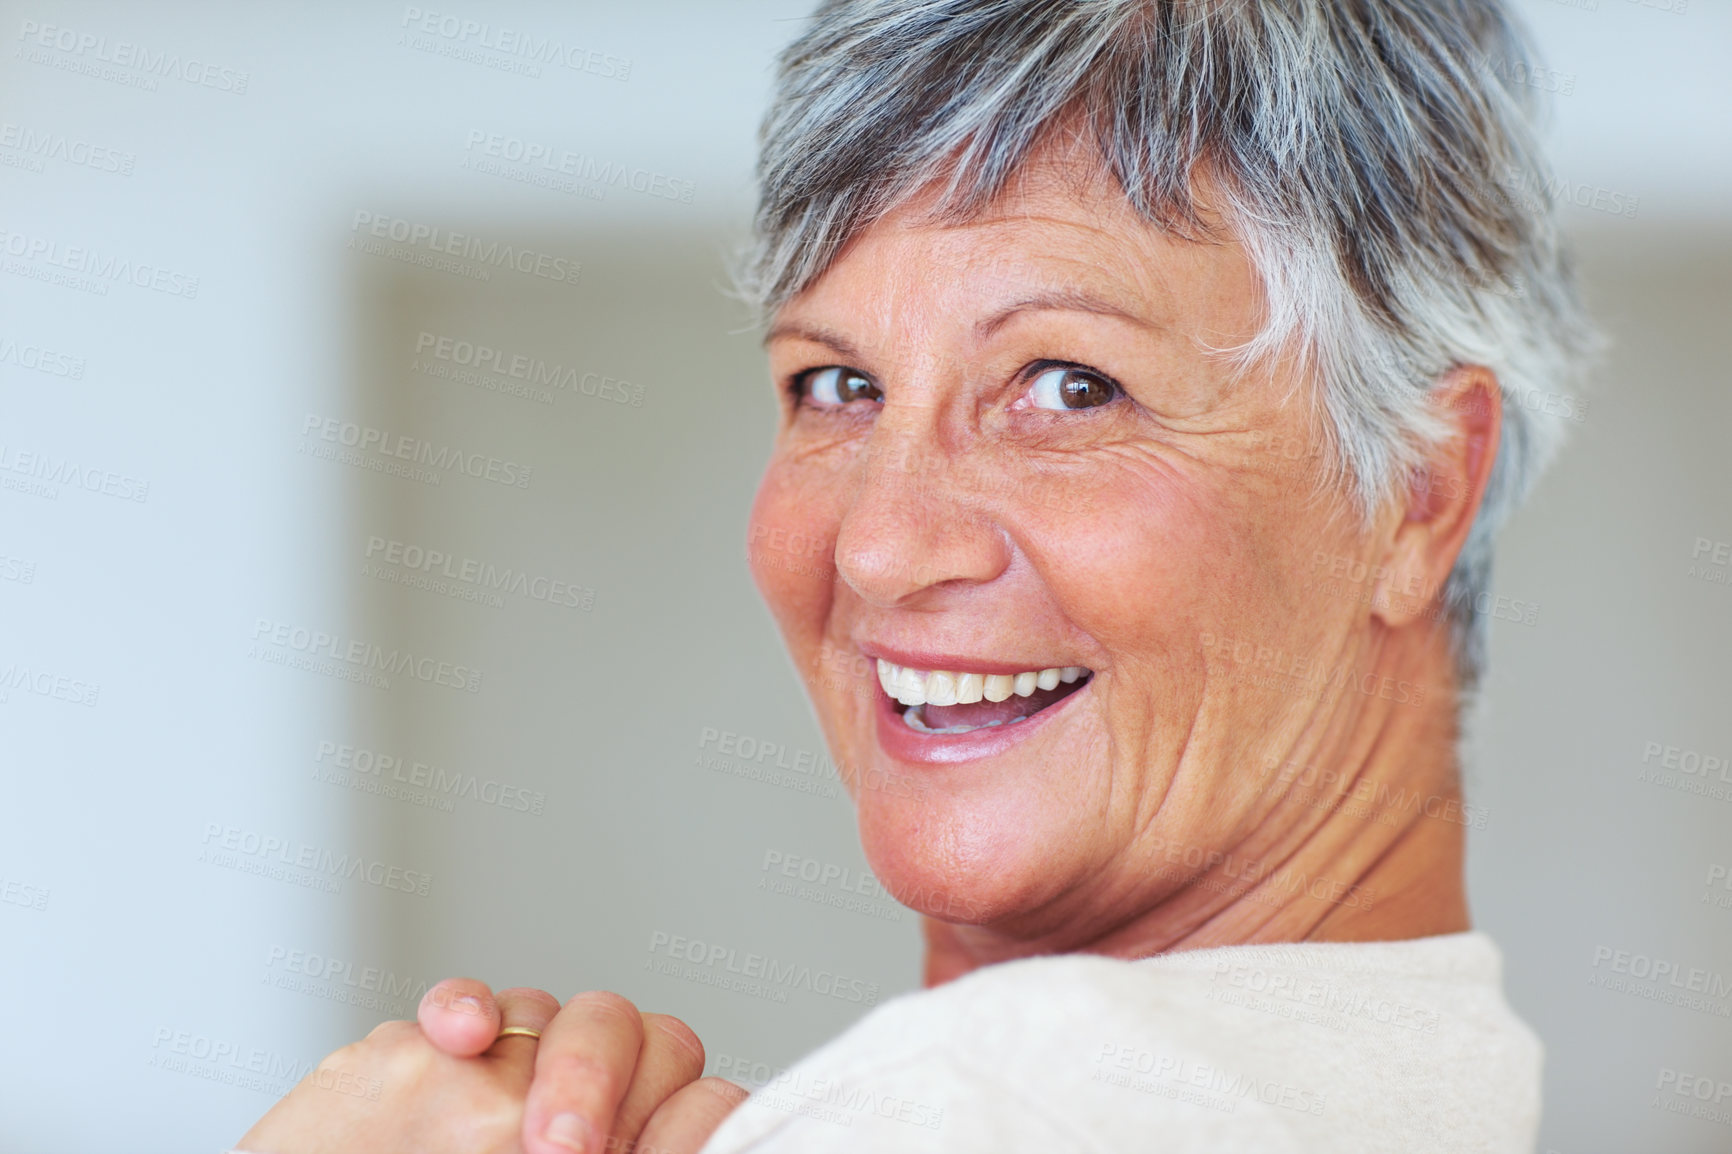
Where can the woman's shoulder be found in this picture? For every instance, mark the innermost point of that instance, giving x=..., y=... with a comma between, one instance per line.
x=1301, y=1046
x=1420, y=1010
x=1419, y=984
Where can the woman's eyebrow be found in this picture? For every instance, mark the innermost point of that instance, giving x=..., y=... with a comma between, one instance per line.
x=1053, y=300
x=818, y=334
x=1059, y=300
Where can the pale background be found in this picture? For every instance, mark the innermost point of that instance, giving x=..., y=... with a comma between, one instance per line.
x=600, y=711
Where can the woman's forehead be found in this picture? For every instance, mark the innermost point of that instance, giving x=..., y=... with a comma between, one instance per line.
x=1042, y=246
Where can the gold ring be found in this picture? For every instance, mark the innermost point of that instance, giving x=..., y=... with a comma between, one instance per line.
x=517, y=1032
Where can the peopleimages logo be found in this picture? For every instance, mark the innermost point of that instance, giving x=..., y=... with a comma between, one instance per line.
x=1318, y=1000
x=16, y=677
x=41, y=145
x=1529, y=190
x=101, y=266
x=365, y=657
x=80, y=47
x=1659, y=979
x=367, y=765
x=287, y=859
x=483, y=576
x=530, y=370
x=339, y=980
x=442, y=242
x=17, y=569
x=515, y=42
x=759, y=974
x=276, y=1069
x=40, y=359
x=1711, y=561
x=46, y=471
x=745, y=756
x=1686, y=770
x=17, y=893
x=1372, y=800
x=827, y=1099
x=1693, y=1095
x=486, y=149
x=1308, y=675
x=1118, y=1064
x=340, y=435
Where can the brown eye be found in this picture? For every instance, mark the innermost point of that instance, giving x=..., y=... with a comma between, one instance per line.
x=835, y=385
x=1064, y=389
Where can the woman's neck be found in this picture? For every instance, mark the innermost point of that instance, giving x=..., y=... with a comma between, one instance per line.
x=1371, y=852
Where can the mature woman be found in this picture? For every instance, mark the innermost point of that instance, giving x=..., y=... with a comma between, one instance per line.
x=1142, y=364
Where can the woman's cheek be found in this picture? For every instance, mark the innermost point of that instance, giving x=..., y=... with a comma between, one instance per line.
x=1137, y=587
x=791, y=546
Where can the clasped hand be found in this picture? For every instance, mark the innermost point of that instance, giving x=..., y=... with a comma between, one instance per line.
x=603, y=1078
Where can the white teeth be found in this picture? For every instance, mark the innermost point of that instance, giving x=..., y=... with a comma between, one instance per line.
x=910, y=687
x=947, y=687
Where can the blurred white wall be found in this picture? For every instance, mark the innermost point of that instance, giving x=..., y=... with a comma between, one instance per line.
x=166, y=520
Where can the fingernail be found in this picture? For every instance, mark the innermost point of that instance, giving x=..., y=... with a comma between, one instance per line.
x=569, y=1131
x=467, y=1004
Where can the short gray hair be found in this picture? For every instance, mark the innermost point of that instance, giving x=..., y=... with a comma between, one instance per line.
x=1368, y=153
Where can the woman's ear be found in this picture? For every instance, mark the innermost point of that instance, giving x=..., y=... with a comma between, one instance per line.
x=1443, y=497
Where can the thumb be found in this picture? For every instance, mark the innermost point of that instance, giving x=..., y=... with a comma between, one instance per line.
x=460, y=1017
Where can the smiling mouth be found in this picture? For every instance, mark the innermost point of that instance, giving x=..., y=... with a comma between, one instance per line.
x=941, y=701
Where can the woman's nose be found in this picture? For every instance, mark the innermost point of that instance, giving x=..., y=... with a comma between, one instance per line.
x=918, y=520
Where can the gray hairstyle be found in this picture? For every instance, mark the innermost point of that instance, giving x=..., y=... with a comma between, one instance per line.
x=1371, y=155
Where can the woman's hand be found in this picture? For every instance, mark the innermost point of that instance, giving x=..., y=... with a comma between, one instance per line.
x=602, y=1078
x=599, y=1062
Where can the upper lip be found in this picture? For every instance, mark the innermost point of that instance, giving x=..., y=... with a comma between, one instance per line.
x=929, y=660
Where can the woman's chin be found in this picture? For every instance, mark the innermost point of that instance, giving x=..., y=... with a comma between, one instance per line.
x=963, y=865
x=974, y=828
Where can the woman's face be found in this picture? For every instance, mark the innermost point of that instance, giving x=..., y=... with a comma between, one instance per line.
x=1004, y=448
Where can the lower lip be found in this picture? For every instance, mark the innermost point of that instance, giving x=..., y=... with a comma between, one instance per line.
x=916, y=748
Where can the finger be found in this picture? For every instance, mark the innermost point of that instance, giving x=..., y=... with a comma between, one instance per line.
x=685, y=1121
x=582, y=1070
x=671, y=1057
x=520, y=1006
x=460, y=1017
